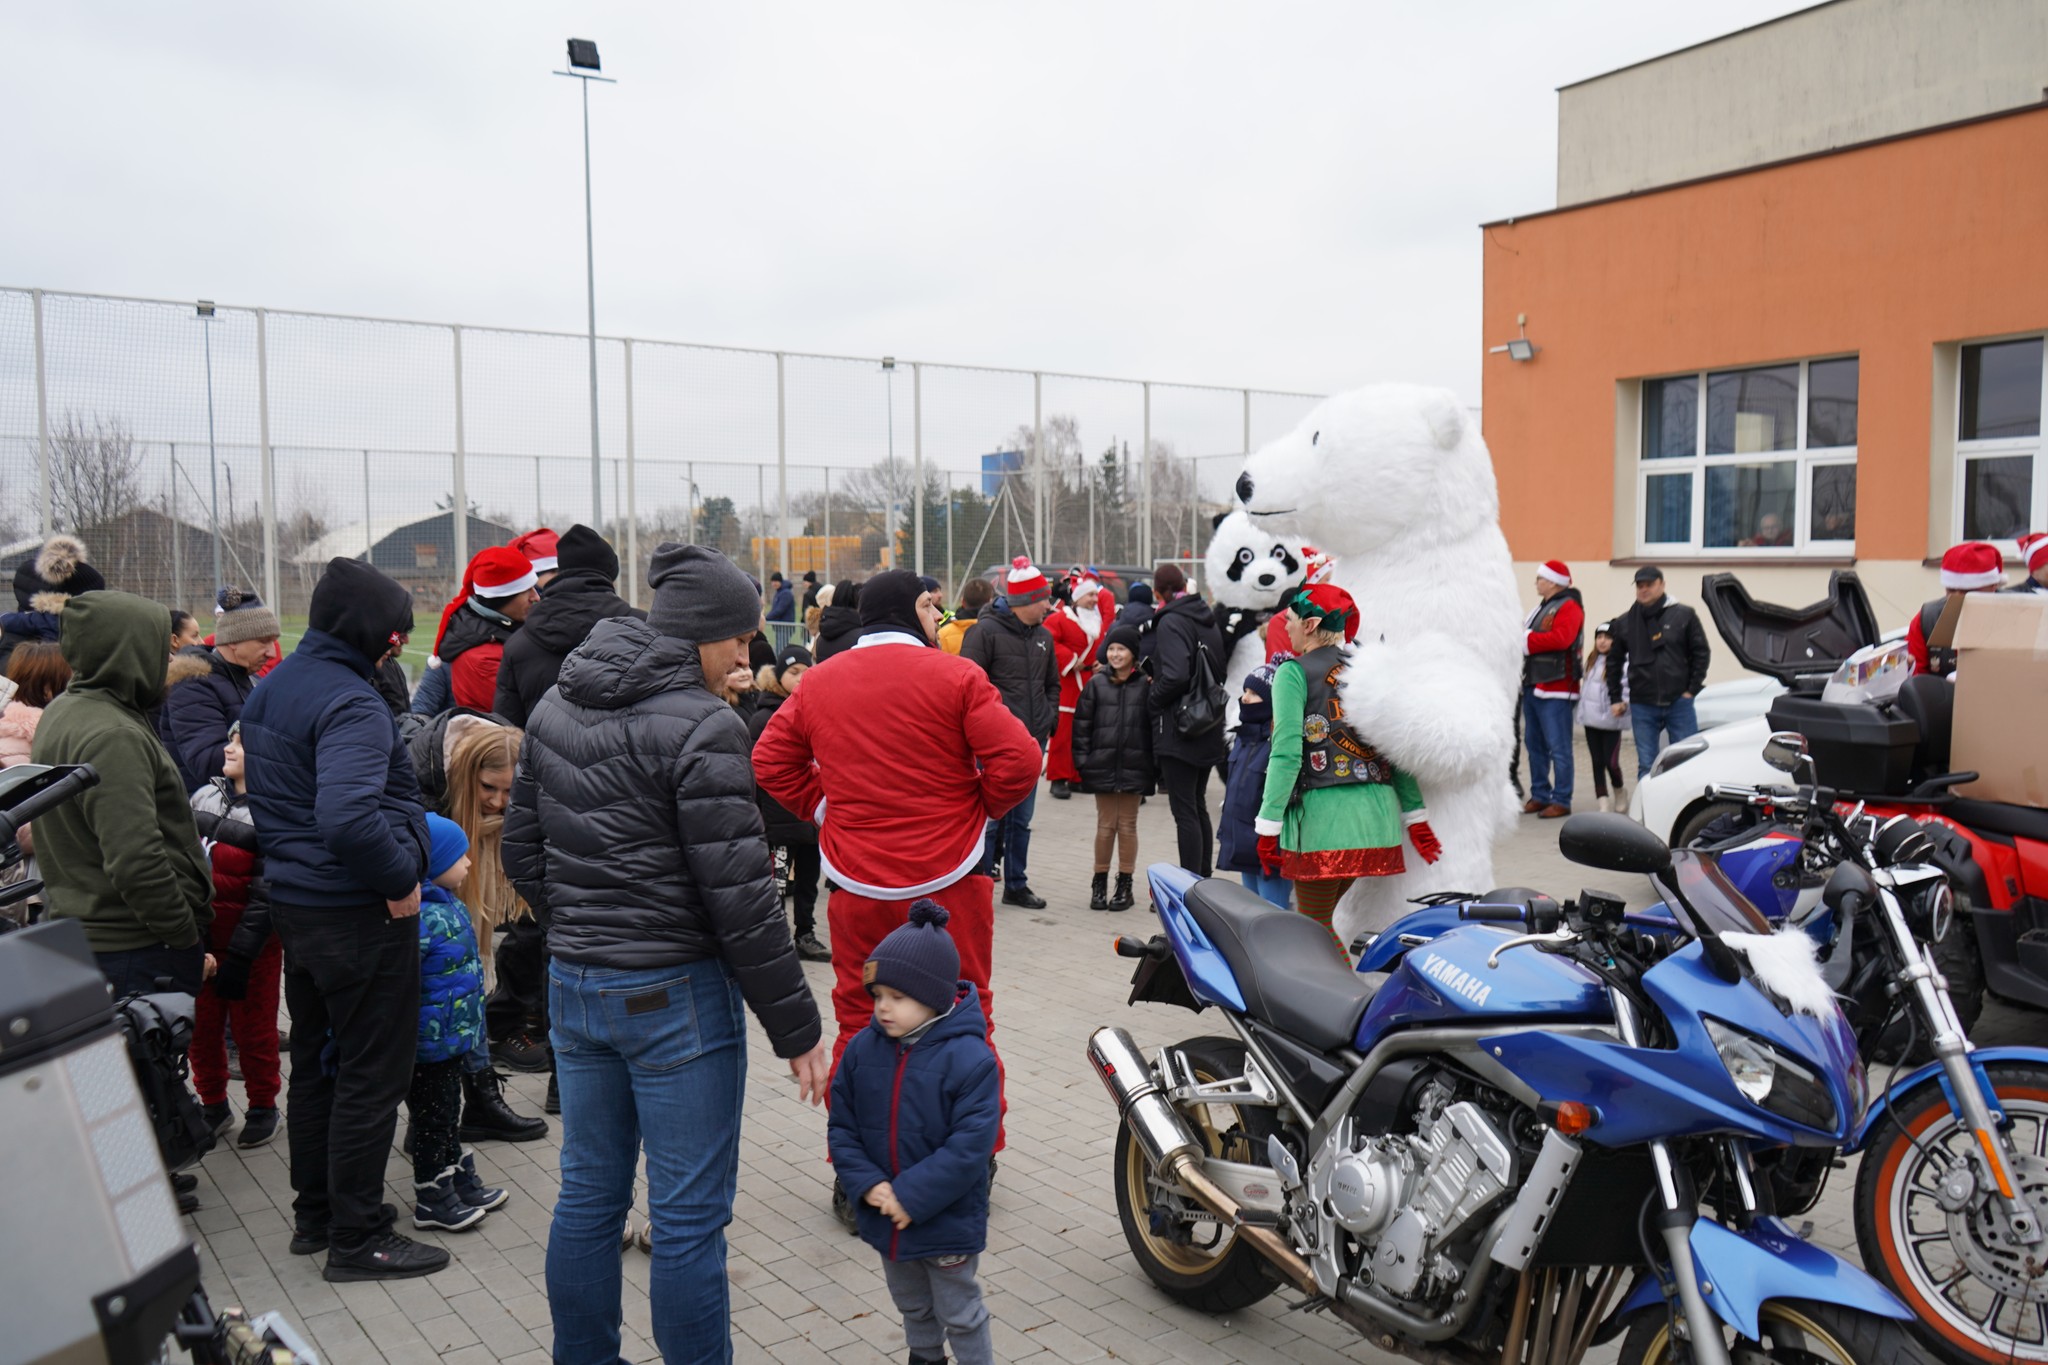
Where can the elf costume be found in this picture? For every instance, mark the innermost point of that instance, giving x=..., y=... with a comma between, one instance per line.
x=1334, y=807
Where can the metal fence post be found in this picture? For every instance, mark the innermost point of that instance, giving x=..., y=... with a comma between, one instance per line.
x=1037, y=466
x=178, y=537
x=1145, y=486
x=630, y=507
x=761, y=543
x=917, y=466
x=781, y=473
x=369, y=536
x=828, y=524
x=45, y=484
x=1247, y=421
x=269, y=468
x=952, y=570
x=460, y=512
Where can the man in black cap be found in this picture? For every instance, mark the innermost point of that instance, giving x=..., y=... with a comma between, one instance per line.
x=583, y=592
x=344, y=848
x=1661, y=648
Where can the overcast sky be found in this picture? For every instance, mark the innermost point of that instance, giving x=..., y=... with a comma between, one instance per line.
x=1281, y=195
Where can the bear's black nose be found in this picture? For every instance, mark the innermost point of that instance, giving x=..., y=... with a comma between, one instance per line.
x=1244, y=489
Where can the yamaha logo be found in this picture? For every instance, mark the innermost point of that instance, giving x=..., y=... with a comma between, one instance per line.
x=1455, y=978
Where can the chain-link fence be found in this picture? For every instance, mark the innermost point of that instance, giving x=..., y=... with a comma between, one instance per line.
x=191, y=446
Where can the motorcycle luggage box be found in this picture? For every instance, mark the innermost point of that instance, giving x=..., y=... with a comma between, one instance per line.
x=1867, y=750
x=1799, y=646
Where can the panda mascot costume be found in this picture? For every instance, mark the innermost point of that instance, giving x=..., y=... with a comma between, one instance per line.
x=1250, y=572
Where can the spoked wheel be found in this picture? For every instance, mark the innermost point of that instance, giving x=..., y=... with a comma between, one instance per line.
x=1794, y=1332
x=1980, y=1293
x=1198, y=1261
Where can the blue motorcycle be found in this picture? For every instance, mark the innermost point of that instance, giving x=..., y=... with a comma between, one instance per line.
x=1534, y=1136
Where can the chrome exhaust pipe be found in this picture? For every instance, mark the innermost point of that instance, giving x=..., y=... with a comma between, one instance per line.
x=1170, y=1146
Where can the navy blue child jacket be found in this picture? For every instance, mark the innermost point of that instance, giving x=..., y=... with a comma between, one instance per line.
x=922, y=1117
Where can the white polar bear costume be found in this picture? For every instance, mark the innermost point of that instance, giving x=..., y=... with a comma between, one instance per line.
x=1393, y=482
x=1248, y=570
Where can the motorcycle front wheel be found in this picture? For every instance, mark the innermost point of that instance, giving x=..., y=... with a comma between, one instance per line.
x=1794, y=1332
x=1978, y=1296
x=1203, y=1265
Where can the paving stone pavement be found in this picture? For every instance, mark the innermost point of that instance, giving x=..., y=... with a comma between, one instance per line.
x=1060, y=1282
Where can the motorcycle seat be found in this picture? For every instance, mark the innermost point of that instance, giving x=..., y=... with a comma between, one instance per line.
x=1999, y=817
x=1291, y=972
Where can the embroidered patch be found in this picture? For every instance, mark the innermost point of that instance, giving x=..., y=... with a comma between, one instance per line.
x=1343, y=765
x=867, y=973
x=1319, y=760
x=1315, y=728
x=646, y=1004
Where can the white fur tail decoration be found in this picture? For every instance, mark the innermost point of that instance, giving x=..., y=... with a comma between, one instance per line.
x=1786, y=966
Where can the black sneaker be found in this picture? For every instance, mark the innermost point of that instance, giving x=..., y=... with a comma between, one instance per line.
x=258, y=1127
x=188, y=1204
x=1021, y=896
x=1061, y=791
x=184, y=1182
x=553, y=1103
x=308, y=1238
x=387, y=1256
x=219, y=1117
x=810, y=950
x=522, y=1052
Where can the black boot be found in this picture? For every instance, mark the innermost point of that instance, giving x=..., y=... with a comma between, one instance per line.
x=553, y=1103
x=1098, y=892
x=1123, y=899
x=1061, y=790
x=485, y=1115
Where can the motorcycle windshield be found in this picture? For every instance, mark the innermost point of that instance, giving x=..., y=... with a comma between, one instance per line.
x=1703, y=888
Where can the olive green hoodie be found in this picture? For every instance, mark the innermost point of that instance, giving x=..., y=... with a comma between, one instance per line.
x=124, y=857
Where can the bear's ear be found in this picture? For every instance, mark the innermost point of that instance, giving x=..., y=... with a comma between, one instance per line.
x=1217, y=520
x=1446, y=419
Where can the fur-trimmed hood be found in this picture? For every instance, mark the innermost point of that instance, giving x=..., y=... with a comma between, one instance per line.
x=51, y=602
x=187, y=665
x=59, y=558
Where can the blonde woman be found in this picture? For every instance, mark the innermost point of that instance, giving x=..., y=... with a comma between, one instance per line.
x=481, y=764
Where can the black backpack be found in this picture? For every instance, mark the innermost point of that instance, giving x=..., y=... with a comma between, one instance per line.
x=158, y=1029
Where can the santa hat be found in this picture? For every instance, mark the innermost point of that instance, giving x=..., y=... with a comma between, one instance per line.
x=1328, y=607
x=1081, y=580
x=1557, y=571
x=500, y=571
x=1315, y=564
x=1025, y=583
x=2034, y=548
x=539, y=547
x=1970, y=566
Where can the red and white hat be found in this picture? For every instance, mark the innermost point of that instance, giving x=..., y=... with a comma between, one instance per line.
x=2034, y=548
x=539, y=549
x=1025, y=583
x=1970, y=566
x=500, y=571
x=1315, y=564
x=1557, y=571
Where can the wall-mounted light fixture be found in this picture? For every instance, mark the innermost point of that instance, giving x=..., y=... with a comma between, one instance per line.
x=1521, y=348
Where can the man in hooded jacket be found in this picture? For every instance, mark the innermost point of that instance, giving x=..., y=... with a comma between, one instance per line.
x=344, y=848
x=583, y=591
x=123, y=856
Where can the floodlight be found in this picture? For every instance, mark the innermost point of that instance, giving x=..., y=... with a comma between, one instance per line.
x=583, y=55
x=205, y=308
x=888, y=362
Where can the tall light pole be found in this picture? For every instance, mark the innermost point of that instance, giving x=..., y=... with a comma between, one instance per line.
x=205, y=311
x=889, y=512
x=583, y=66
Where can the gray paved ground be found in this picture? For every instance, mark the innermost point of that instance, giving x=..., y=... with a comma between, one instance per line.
x=1061, y=1284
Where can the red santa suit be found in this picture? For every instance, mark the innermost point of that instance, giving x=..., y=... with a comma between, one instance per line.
x=1076, y=632
x=900, y=753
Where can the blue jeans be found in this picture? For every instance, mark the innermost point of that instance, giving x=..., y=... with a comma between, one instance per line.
x=1275, y=889
x=656, y=1057
x=1675, y=721
x=1547, y=729
x=1009, y=842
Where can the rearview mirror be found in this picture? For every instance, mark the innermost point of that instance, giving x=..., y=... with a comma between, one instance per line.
x=1786, y=751
x=1613, y=843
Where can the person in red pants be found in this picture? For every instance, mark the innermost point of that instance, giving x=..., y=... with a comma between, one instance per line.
x=901, y=754
x=243, y=992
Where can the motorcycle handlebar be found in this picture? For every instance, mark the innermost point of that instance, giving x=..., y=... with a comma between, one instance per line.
x=1494, y=914
x=49, y=798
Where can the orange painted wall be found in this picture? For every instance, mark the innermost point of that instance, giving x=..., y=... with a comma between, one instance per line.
x=1886, y=251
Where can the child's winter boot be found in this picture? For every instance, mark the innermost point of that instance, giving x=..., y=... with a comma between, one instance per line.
x=440, y=1208
x=470, y=1188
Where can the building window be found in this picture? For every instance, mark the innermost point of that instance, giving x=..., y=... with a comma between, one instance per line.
x=1752, y=461
x=1998, y=440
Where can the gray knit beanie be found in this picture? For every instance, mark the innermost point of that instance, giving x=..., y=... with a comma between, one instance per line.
x=700, y=595
x=240, y=616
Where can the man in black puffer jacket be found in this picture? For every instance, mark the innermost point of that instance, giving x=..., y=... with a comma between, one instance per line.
x=1014, y=648
x=583, y=592
x=1182, y=630
x=634, y=833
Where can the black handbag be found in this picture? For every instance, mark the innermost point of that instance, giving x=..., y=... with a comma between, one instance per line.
x=1201, y=710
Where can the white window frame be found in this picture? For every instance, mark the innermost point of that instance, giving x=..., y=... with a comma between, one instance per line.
x=2035, y=446
x=1699, y=462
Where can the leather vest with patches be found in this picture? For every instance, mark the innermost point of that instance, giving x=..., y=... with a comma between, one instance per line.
x=1332, y=754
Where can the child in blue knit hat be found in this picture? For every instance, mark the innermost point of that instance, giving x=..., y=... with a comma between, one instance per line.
x=914, y=1112
x=448, y=1193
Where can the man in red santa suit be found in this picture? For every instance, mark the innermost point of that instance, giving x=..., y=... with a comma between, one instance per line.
x=498, y=589
x=901, y=754
x=1076, y=630
x=1972, y=566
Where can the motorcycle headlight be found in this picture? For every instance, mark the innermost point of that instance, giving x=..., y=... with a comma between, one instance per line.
x=1930, y=910
x=1772, y=1081
x=1675, y=754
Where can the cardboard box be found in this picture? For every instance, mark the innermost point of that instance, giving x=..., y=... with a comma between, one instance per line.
x=2001, y=711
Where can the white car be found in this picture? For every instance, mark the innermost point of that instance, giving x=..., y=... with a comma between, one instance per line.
x=1672, y=801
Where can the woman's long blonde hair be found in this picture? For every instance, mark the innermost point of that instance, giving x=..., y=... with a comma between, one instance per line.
x=487, y=893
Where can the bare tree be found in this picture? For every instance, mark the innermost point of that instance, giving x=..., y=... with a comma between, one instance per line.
x=95, y=472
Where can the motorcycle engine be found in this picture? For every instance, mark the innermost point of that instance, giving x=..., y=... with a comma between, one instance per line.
x=1404, y=1197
